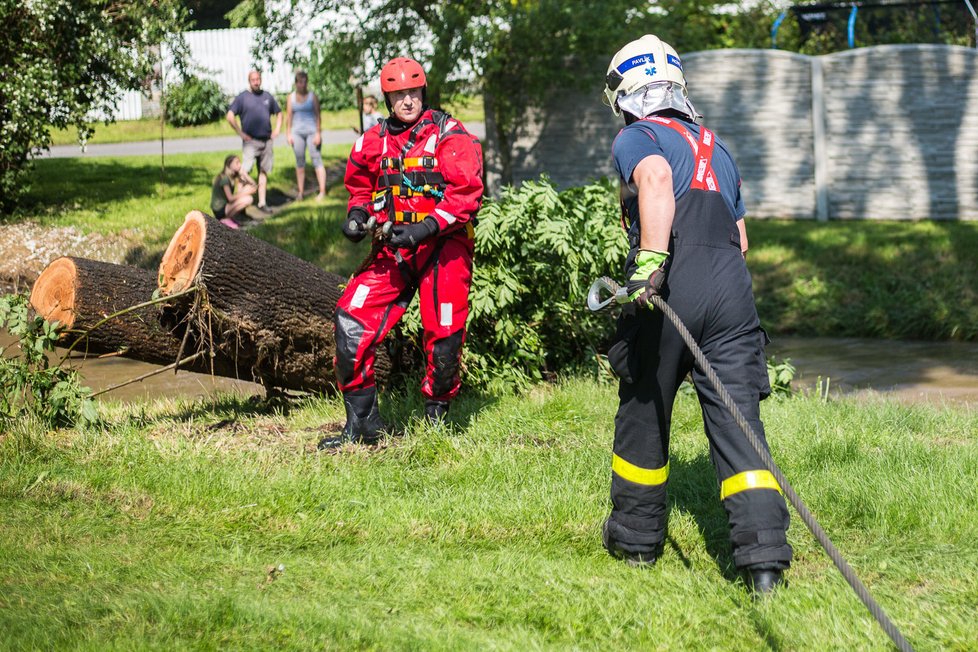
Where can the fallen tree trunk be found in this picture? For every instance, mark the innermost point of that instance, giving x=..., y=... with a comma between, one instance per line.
x=261, y=306
x=80, y=293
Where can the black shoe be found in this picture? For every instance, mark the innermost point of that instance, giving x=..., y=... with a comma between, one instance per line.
x=363, y=422
x=635, y=559
x=763, y=581
x=435, y=411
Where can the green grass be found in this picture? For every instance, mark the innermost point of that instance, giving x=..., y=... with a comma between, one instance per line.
x=467, y=110
x=159, y=531
x=891, y=280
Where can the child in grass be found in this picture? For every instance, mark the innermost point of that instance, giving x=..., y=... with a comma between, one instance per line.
x=232, y=191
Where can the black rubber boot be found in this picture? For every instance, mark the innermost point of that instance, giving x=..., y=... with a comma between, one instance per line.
x=636, y=559
x=763, y=581
x=435, y=411
x=363, y=422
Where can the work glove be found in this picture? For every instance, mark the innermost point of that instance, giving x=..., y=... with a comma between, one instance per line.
x=355, y=226
x=648, y=278
x=409, y=236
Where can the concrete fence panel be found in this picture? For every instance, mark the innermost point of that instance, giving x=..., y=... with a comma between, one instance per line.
x=888, y=132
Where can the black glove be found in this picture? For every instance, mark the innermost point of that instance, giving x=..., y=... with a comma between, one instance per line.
x=355, y=226
x=409, y=236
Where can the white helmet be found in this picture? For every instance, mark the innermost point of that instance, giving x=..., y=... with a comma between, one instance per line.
x=644, y=62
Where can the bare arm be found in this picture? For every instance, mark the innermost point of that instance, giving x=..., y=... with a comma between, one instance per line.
x=656, y=202
x=246, y=180
x=234, y=125
x=317, y=139
x=288, y=118
x=278, y=125
x=742, y=227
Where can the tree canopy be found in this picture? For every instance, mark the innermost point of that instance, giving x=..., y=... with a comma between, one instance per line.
x=64, y=61
x=516, y=53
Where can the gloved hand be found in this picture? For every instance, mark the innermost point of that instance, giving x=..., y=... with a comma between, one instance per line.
x=648, y=278
x=355, y=226
x=409, y=236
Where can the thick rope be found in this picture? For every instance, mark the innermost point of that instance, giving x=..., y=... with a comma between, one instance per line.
x=806, y=516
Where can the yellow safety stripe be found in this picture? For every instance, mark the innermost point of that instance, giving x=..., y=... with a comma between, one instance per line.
x=637, y=474
x=748, y=480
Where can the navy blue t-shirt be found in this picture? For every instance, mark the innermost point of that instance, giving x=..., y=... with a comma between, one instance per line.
x=641, y=139
x=256, y=111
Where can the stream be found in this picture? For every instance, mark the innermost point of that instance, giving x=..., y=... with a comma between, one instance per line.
x=911, y=371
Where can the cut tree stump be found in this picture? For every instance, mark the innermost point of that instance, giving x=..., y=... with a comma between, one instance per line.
x=259, y=305
x=79, y=293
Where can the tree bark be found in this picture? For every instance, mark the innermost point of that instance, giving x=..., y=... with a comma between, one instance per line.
x=263, y=307
x=79, y=293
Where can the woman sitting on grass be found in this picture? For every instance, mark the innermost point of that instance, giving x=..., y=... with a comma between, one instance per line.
x=225, y=201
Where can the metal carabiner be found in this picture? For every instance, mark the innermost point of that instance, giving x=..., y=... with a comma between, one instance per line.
x=604, y=284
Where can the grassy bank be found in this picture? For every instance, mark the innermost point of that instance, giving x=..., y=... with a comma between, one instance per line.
x=168, y=529
x=898, y=280
x=468, y=110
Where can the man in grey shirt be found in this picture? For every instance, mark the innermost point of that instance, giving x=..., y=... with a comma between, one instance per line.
x=256, y=108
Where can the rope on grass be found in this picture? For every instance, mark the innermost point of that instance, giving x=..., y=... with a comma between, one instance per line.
x=806, y=516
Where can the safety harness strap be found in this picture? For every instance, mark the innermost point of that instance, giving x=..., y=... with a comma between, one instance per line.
x=703, y=176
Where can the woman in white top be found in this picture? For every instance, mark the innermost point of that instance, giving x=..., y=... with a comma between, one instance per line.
x=303, y=127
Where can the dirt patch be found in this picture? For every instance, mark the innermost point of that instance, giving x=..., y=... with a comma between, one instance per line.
x=27, y=248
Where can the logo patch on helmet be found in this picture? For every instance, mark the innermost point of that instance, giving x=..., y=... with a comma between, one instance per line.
x=650, y=71
x=635, y=62
x=674, y=60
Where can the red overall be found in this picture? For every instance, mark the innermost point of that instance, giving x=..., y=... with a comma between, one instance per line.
x=432, y=168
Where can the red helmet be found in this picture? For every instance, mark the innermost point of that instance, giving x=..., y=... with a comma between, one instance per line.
x=401, y=73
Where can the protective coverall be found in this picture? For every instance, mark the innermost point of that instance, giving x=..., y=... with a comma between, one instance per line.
x=402, y=174
x=707, y=283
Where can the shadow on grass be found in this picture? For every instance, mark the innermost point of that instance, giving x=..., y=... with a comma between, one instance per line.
x=849, y=279
x=96, y=183
x=229, y=409
x=693, y=489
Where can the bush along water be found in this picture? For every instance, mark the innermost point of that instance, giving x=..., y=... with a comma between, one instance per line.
x=537, y=250
x=29, y=386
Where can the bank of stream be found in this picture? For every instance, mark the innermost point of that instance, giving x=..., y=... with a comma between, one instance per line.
x=911, y=371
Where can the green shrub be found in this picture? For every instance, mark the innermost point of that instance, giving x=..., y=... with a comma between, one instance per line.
x=195, y=101
x=29, y=386
x=537, y=252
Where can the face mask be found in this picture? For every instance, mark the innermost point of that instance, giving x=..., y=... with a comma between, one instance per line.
x=658, y=96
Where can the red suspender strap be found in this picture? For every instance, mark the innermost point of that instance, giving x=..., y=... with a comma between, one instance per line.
x=703, y=177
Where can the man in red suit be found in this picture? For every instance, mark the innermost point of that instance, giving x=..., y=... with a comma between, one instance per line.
x=415, y=183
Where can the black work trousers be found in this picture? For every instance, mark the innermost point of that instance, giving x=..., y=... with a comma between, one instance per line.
x=709, y=287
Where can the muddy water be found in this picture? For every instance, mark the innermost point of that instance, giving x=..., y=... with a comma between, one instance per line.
x=914, y=371
x=100, y=373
